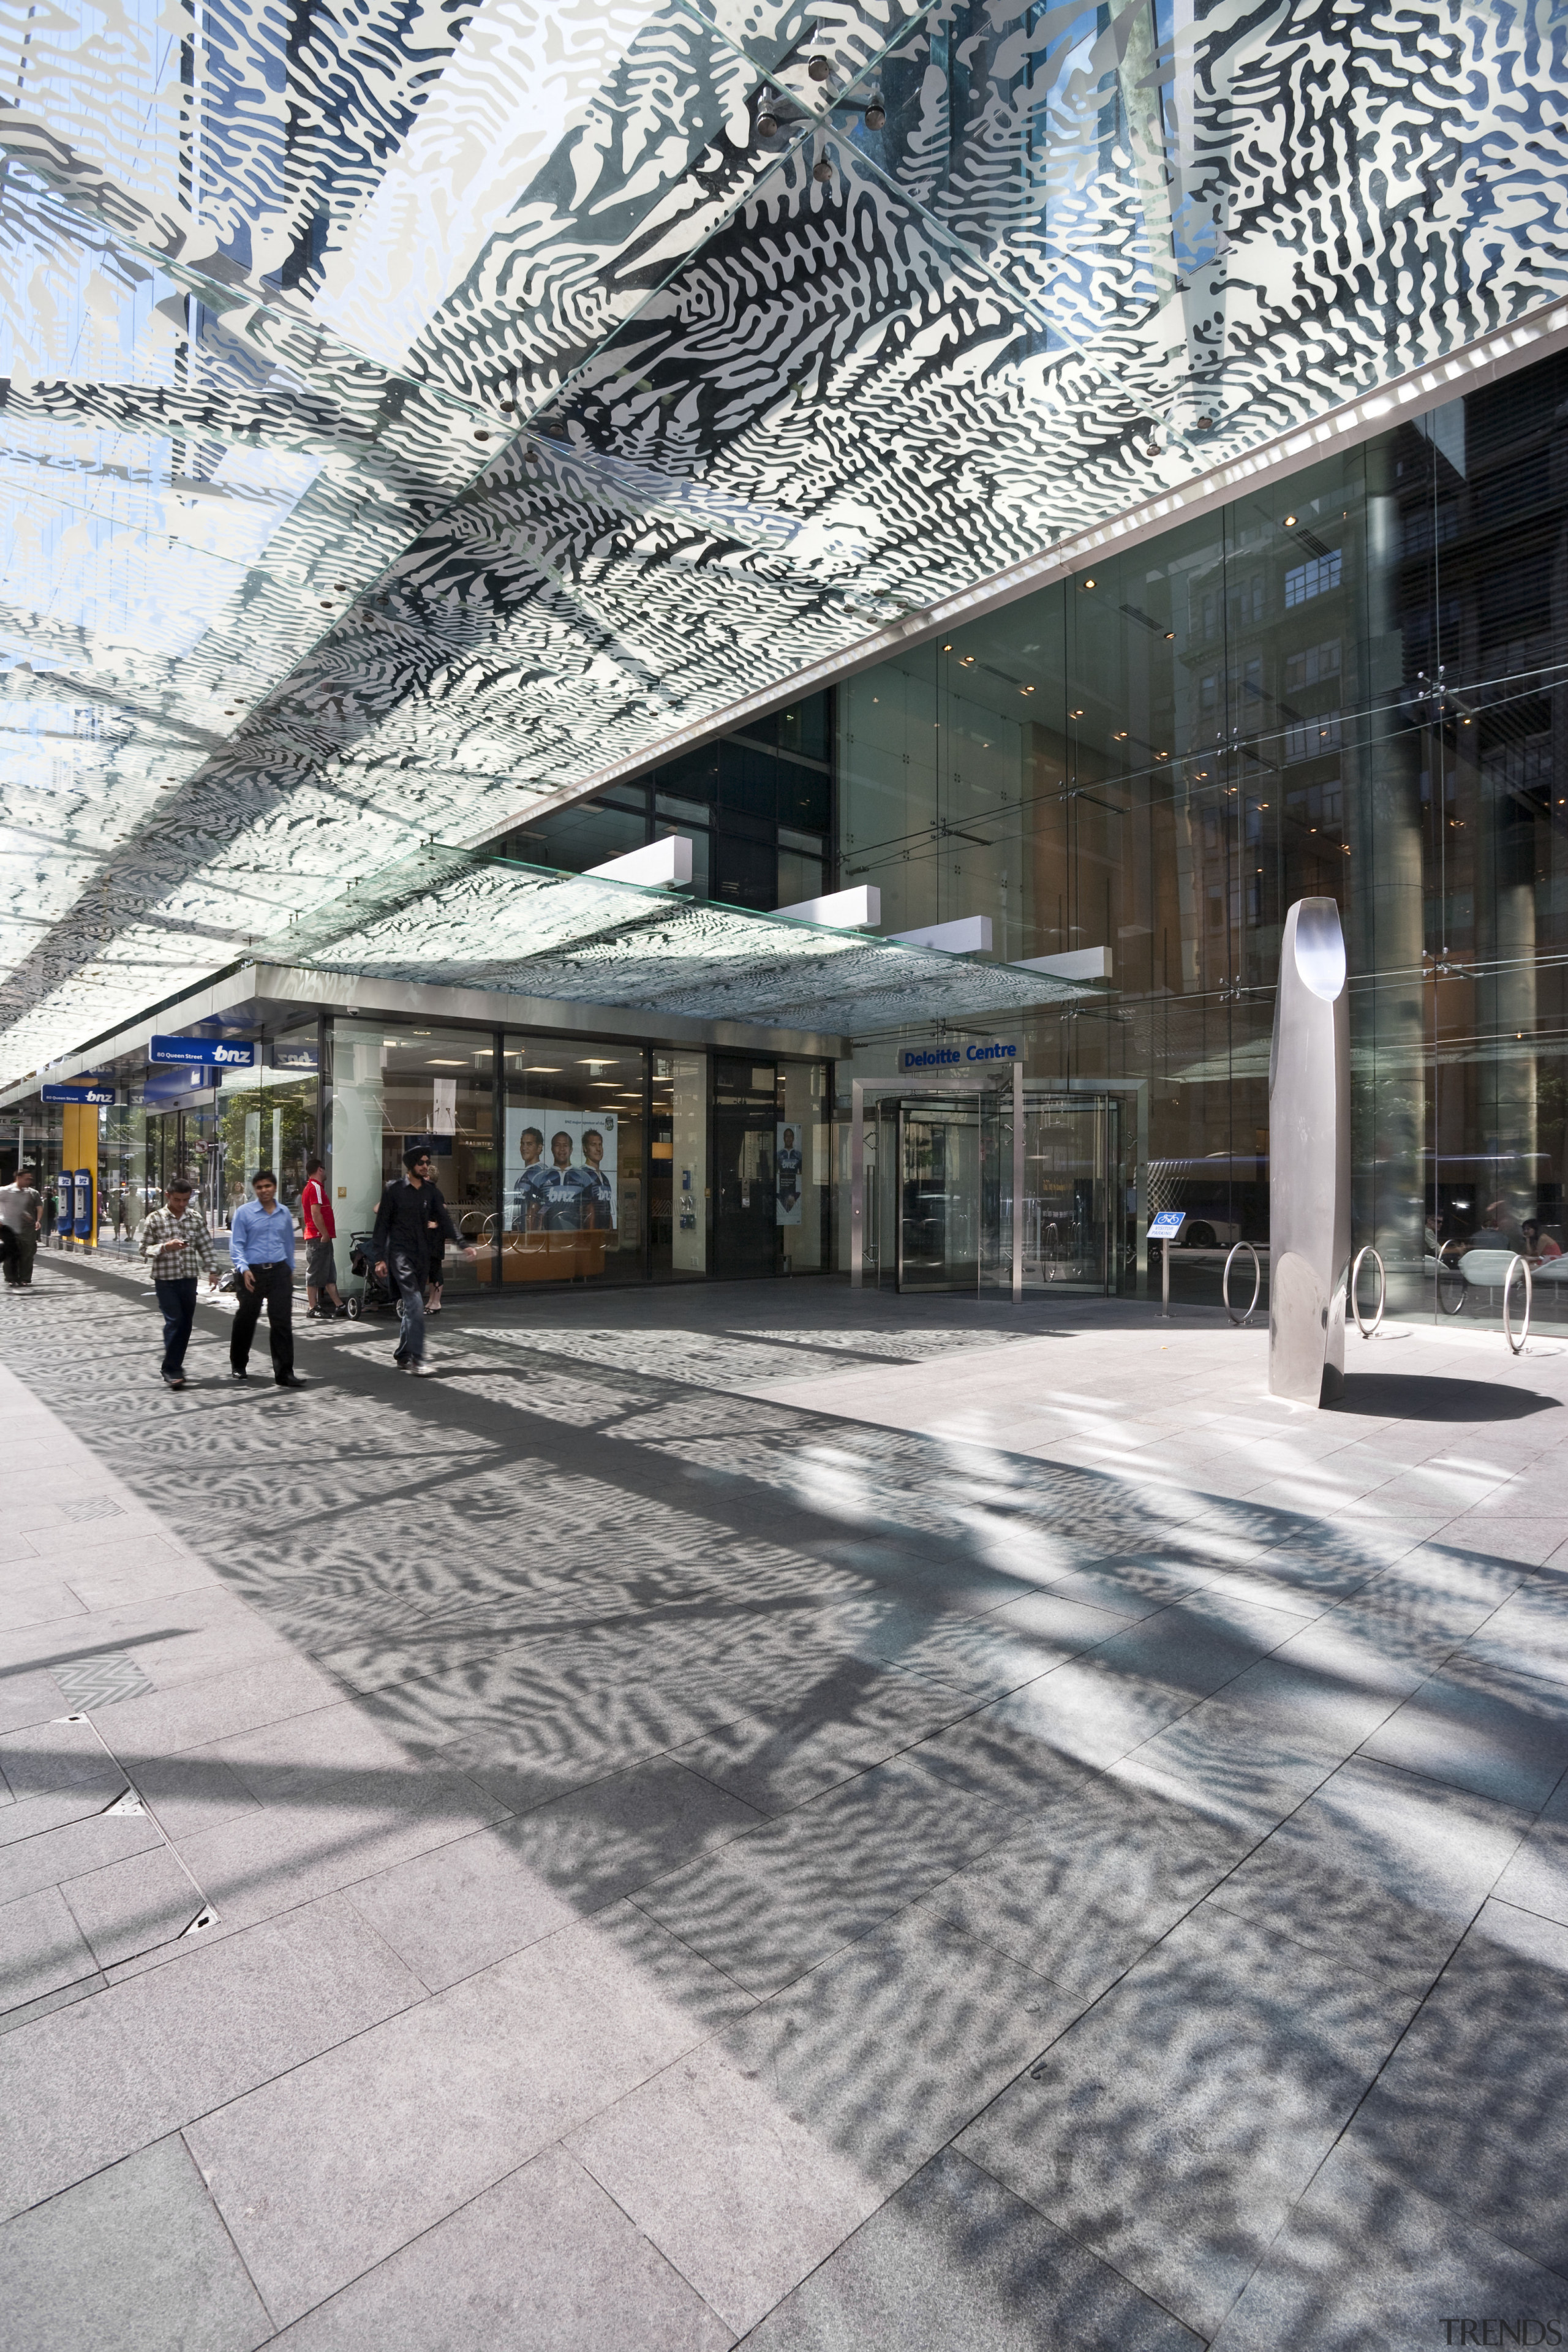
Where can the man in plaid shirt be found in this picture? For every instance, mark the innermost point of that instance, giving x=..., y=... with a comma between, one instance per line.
x=175, y=1242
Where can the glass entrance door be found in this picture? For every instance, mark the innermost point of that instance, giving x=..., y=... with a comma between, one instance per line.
x=939, y=1195
x=1074, y=1200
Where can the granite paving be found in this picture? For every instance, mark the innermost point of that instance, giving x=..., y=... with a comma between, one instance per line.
x=764, y=1814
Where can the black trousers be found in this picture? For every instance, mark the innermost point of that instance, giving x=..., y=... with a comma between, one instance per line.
x=178, y=1301
x=275, y=1291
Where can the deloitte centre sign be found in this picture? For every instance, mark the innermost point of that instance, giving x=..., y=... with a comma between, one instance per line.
x=944, y=1057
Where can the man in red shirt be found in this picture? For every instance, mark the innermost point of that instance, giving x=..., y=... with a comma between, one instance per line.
x=320, y=1262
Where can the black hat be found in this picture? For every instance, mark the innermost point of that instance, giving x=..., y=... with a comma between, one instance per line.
x=415, y=1153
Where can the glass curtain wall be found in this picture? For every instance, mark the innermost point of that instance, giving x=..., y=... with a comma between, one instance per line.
x=757, y=808
x=679, y=1197
x=1353, y=686
x=574, y=1165
x=395, y=1085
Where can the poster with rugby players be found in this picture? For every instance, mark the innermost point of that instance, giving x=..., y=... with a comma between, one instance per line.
x=560, y=1171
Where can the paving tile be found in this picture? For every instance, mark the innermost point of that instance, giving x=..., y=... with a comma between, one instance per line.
x=779, y=1756
x=1527, y=1634
x=1490, y=2043
x=1088, y=1709
x=544, y=2262
x=41, y=1948
x=1172, y=2129
x=338, y=2163
x=1481, y=1727
x=1364, y=2258
x=771, y=1904
x=750, y=2160
x=37, y=1604
x=54, y=1854
x=133, y=1905
x=955, y=2264
x=84, y=2086
x=1536, y=1877
x=1378, y=1865
x=453, y=1911
x=194, y=1714
x=27, y=1699
x=135, y=2258
x=278, y=1855
x=32, y=1816
x=192, y=1791
x=1101, y=1873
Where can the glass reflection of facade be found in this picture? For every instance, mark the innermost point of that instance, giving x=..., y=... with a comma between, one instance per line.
x=1353, y=685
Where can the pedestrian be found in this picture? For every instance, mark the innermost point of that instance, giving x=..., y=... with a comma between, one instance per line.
x=261, y=1247
x=21, y=1210
x=320, y=1259
x=51, y=1211
x=174, y=1238
x=410, y=1212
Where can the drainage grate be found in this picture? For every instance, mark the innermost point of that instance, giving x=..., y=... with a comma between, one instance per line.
x=93, y=1507
x=99, y=1681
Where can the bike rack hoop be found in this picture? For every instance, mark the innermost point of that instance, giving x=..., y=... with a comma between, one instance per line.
x=1522, y=1266
x=1362, y=1256
x=1241, y=1321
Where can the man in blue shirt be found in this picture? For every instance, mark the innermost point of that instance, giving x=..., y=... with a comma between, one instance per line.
x=262, y=1245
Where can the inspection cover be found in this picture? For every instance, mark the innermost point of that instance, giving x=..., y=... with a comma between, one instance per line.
x=99, y=1681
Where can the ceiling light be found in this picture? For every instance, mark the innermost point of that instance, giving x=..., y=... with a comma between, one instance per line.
x=1289, y=521
x=1025, y=689
x=1169, y=636
x=1088, y=583
x=1075, y=714
x=947, y=649
x=1121, y=738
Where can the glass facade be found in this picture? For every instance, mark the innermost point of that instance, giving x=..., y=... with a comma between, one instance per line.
x=757, y=808
x=1353, y=685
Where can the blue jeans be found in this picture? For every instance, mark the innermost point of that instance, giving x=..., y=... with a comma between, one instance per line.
x=178, y=1301
x=409, y=1282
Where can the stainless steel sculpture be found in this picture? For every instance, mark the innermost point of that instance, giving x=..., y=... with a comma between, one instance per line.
x=1309, y=1159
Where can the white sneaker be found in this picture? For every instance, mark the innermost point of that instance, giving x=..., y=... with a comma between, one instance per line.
x=424, y=1365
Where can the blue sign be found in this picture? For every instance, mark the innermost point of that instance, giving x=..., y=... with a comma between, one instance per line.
x=83, y=1222
x=173, y=1085
x=1166, y=1224
x=954, y=1058
x=77, y=1094
x=213, y=1052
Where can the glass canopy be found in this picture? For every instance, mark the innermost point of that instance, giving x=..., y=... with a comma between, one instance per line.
x=410, y=418
x=445, y=919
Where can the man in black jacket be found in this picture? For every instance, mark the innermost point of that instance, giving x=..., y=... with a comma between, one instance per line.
x=412, y=1215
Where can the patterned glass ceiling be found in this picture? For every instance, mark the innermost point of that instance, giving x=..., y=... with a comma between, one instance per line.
x=449, y=919
x=412, y=413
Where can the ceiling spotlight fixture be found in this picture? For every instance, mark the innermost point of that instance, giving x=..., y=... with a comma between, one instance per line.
x=1289, y=522
x=947, y=649
x=1169, y=636
x=819, y=68
x=1088, y=583
x=876, y=115
x=1075, y=714
x=1025, y=689
x=823, y=171
x=1121, y=738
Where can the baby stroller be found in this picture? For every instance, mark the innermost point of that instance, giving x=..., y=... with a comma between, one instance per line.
x=378, y=1292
